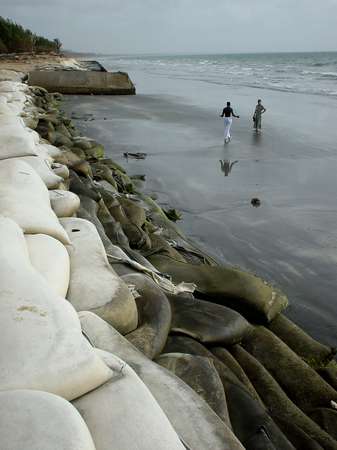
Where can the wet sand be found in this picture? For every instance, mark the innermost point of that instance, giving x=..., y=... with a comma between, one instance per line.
x=291, y=239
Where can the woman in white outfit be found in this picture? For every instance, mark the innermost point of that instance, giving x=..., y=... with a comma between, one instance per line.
x=228, y=113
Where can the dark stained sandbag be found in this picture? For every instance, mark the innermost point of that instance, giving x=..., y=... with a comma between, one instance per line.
x=102, y=172
x=200, y=374
x=311, y=351
x=226, y=358
x=231, y=287
x=252, y=424
x=134, y=212
x=260, y=441
x=296, y=435
x=112, y=228
x=277, y=402
x=195, y=422
x=169, y=229
x=113, y=205
x=154, y=316
x=80, y=188
x=326, y=419
x=302, y=384
x=160, y=245
x=184, y=344
x=112, y=165
x=329, y=374
x=137, y=237
x=207, y=322
x=88, y=211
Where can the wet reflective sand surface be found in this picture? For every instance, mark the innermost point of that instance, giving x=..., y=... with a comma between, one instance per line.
x=289, y=237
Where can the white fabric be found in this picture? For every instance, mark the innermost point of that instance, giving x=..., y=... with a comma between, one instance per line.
x=43, y=169
x=61, y=170
x=64, y=203
x=41, y=345
x=227, y=124
x=47, y=151
x=93, y=284
x=4, y=108
x=123, y=414
x=192, y=418
x=25, y=199
x=15, y=140
x=10, y=75
x=11, y=119
x=34, y=134
x=35, y=420
x=50, y=258
x=13, y=86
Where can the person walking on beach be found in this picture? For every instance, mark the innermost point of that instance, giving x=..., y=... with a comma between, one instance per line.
x=257, y=118
x=228, y=113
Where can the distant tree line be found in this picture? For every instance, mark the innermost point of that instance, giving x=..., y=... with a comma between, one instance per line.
x=16, y=39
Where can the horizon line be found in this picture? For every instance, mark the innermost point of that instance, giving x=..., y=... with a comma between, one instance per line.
x=197, y=53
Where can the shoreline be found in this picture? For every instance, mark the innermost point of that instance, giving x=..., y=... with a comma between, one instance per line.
x=186, y=296
x=285, y=240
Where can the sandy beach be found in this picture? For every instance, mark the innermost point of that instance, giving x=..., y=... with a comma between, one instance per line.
x=291, y=238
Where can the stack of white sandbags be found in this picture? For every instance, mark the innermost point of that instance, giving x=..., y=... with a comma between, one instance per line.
x=35, y=420
x=42, y=346
x=19, y=141
x=11, y=75
x=46, y=361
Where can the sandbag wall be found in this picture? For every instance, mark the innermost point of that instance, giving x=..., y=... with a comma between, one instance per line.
x=120, y=327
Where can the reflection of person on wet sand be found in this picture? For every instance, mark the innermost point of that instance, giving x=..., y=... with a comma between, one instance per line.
x=226, y=166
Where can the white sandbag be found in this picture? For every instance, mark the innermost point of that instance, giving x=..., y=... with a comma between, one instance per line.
x=15, y=141
x=16, y=107
x=50, y=258
x=11, y=75
x=11, y=119
x=52, y=150
x=41, y=345
x=17, y=100
x=123, y=414
x=93, y=284
x=25, y=199
x=17, y=97
x=64, y=203
x=61, y=170
x=35, y=420
x=13, y=86
x=43, y=168
x=195, y=422
x=42, y=153
x=47, y=151
x=4, y=108
x=35, y=135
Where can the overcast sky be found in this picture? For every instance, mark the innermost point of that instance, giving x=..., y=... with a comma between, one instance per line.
x=171, y=26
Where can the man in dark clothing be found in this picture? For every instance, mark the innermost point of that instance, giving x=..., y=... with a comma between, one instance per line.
x=228, y=113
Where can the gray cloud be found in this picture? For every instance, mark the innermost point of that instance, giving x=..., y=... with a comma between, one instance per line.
x=145, y=26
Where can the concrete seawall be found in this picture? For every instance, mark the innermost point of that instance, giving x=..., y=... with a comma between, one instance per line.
x=83, y=82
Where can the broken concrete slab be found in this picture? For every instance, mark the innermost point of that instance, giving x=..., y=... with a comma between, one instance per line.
x=83, y=82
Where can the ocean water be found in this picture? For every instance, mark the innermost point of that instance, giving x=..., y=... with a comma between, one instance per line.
x=307, y=73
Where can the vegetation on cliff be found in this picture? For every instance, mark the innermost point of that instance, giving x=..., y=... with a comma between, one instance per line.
x=16, y=39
